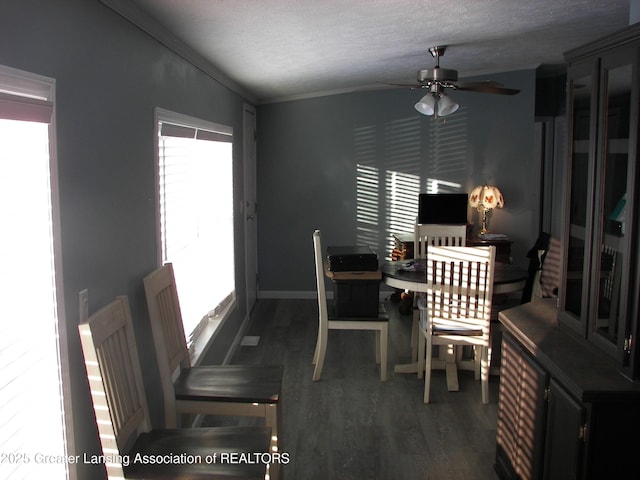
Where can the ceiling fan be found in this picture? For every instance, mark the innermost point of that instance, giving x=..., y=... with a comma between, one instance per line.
x=438, y=79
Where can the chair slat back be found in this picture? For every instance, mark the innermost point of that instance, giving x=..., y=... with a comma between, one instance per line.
x=168, y=334
x=166, y=317
x=460, y=286
x=428, y=234
x=322, y=293
x=115, y=379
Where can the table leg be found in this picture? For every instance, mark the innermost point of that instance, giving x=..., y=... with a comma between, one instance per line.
x=446, y=361
x=406, y=368
x=451, y=367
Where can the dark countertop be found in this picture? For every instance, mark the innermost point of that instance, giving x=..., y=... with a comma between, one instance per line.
x=590, y=374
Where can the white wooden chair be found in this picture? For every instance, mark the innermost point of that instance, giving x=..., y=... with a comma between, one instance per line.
x=238, y=390
x=431, y=234
x=328, y=322
x=426, y=235
x=122, y=416
x=456, y=309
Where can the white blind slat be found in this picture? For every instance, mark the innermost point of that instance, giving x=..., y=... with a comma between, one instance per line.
x=25, y=109
x=182, y=131
x=170, y=130
x=213, y=136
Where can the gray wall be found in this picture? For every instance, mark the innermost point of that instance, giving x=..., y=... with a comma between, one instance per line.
x=109, y=77
x=308, y=152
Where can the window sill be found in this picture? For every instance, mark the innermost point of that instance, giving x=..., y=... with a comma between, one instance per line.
x=201, y=345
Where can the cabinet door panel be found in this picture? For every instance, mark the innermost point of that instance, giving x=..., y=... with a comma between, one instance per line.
x=563, y=450
x=508, y=407
x=582, y=78
x=521, y=414
x=531, y=418
x=614, y=200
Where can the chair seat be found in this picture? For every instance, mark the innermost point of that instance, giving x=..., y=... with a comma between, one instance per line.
x=230, y=383
x=172, y=449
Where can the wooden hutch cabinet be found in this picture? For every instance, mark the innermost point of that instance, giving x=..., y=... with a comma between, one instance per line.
x=599, y=289
x=569, y=405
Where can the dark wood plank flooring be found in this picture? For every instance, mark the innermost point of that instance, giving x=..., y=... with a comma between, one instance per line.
x=349, y=425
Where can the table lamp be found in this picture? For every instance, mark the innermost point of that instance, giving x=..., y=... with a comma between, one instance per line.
x=485, y=198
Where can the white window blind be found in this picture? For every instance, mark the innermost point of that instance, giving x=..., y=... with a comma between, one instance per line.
x=195, y=182
x=32, y=414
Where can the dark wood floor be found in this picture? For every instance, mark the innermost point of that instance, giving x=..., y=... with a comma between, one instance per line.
x=349, y=425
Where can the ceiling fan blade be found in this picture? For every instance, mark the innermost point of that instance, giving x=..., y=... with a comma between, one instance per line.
x=411, y=85
x=492, y=83
x=485, y=87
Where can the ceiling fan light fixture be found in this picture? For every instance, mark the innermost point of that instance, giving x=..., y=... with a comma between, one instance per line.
x=446, y=106
x=426, y=105
x=436, y=103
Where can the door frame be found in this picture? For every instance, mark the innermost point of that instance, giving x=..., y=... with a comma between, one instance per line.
x=249, y=210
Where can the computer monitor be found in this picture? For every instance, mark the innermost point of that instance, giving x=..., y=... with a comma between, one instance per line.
x=443, y=208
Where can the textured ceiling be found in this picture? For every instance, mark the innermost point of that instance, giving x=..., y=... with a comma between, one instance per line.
x=284, y=49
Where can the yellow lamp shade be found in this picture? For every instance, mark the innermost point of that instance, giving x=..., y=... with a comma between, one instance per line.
x=486, y=197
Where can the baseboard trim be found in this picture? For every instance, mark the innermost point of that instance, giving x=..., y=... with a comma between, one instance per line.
x=278, y=294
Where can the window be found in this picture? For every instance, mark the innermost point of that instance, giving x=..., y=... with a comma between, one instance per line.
x=195, y=212
x=33, y=353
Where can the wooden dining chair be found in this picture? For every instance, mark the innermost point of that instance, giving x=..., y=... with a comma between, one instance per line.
x=456, y=308
x=122, y=416
x=238, y=390
x=432, y=234
x=426, y=235
x=327, y=321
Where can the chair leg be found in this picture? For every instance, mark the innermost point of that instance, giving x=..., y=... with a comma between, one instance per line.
x=421, y=353
x=316, y=351
x=415, y=334
x=378, y=349
x=383, y=335
x=477, y=358
x=273, y=419
x=272, y=415
x=184, y=420
x=484, y=374
x=427, y=371
x=321, y=350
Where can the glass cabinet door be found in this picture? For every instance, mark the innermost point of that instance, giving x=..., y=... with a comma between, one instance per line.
x=610, y=278
x=582, y=85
